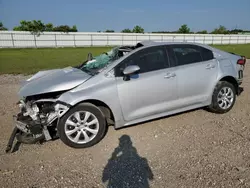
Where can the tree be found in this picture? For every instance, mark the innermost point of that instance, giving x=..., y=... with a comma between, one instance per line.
x=138, y=29
x=49, y=27
x=161, y=32
x=109, y=31
x=2, y=28
x=74, y=29
x=220, y=30
x=126, y=31
x=202, y=32
x=35, y=26
x=65, y=28
x=236, y=31
x=184, y=29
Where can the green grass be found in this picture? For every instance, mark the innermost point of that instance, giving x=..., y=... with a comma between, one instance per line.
x=28, y=61
x=241, y=49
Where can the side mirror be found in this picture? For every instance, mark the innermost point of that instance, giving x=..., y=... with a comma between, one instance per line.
x=131, y=69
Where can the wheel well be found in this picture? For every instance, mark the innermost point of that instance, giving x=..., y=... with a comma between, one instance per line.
x=231, y=80
x=104, y=108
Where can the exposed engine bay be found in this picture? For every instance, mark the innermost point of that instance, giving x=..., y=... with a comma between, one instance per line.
x=38, y=118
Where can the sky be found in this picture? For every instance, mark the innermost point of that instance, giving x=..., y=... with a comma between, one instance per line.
x=152, y=15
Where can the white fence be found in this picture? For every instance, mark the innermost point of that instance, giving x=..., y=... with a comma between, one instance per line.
x=18, y=39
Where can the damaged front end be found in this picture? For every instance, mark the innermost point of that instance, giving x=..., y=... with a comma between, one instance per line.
x=37, y=120
x=39, y=106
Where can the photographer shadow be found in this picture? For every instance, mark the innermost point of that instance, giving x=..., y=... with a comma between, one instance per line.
x=126, y=168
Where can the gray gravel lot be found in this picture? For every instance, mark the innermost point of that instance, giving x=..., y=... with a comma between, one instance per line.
x=192, y=149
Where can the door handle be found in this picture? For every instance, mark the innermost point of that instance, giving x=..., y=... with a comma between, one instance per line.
x=173, y=74
x=209, y=66
x=170, y=75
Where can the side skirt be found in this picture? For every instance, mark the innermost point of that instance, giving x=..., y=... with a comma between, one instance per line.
x=164, y=114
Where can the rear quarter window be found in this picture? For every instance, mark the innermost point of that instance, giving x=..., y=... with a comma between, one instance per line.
x=206, y=54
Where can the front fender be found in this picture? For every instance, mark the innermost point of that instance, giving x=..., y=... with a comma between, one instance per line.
x=106, y=94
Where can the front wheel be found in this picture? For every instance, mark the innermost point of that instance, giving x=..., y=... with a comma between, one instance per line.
x=82, y=126
x=223, y=98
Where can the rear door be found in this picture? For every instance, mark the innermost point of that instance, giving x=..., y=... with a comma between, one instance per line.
x=196, y=73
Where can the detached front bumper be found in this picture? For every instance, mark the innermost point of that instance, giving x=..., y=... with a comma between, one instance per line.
x=20, y=131
x=11, y=140
x=18, y=126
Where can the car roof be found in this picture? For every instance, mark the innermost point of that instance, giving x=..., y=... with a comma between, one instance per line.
x=154, y=43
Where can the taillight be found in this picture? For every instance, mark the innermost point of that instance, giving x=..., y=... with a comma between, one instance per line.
x=241, y=61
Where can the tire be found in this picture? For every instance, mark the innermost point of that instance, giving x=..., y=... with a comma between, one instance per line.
x=216, y=105
x=81, y=131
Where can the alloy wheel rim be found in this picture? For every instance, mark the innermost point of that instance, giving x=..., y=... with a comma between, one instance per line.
x=81, y=127
x=225, y=98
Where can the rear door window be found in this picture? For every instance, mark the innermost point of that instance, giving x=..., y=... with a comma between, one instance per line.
x=187, y=54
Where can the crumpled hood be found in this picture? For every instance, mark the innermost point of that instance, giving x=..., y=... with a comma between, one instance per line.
x=53, y=81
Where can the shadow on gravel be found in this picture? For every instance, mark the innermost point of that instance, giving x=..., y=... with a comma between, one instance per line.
x=126, y=168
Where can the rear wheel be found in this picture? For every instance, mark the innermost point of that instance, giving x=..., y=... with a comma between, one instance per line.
x=223, y=98
x=82, y=126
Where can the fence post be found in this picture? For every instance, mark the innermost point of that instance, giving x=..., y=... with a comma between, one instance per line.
x=107, y=40
x=221, y=39
x=91, y=40
x=55, y=41
x=122, y=39
x=230, y=38
x=35, y=40
x=212, y=39
x=204, y=39
x=184, y=38
x=162, y=38
x=74, y=40
x=13, y=44
x=238, y=39
x=246, y=39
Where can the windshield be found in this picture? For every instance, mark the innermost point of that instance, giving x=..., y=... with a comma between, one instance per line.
x=95, y=65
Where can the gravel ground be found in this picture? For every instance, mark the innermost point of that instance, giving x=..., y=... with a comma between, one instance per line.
x=192, y=149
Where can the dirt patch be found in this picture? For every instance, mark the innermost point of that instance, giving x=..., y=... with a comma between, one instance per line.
x=192, y=149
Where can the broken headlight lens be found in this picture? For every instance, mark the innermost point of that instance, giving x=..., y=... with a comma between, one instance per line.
x=21, y=104
x=35, y=108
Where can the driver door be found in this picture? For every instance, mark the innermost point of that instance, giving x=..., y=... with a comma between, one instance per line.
x=152, y=90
